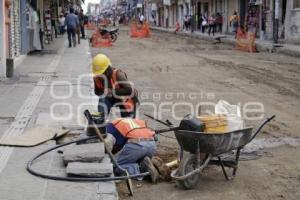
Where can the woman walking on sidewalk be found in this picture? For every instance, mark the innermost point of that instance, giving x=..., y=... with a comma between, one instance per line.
x=234, y=23
x=185, y=23
x=204, y=23
x=61, y=21
x=212, y=24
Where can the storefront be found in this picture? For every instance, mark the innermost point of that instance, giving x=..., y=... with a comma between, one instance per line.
x=31, y=37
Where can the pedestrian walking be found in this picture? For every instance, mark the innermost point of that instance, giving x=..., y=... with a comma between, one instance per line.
x=113, y=88
x=61, y=21
x=71, y=22
x=234, y=23
x=200, y=22
x=82, y=22
x=78, y=27
x=252, y=20
x=219, y=23
x=211, y=24
x=189, y=22
x=185, y=22
x=204, y=23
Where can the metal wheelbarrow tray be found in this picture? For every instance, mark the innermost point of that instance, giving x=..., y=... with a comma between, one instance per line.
x=199, y=149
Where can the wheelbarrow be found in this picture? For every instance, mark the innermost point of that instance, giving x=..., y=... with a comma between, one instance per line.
x=200, y=149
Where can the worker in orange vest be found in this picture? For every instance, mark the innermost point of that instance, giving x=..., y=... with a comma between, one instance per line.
x=137, y=145
x=113, y=88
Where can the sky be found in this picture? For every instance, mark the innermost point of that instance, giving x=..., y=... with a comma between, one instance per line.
x=86, y=2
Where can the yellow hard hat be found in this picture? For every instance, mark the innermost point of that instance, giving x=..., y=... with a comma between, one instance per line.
x=100, y=64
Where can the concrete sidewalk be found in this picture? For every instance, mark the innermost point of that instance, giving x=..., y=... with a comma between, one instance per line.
x=46, y=85
x=262, y=45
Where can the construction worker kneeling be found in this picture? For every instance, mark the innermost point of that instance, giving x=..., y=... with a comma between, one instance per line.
x=113, y=88
x=134, y=144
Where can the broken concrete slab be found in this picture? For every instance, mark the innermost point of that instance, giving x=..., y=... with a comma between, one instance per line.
x=84, y=153
x=90, y=169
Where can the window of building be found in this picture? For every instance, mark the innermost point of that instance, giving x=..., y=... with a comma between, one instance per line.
x=296, y=3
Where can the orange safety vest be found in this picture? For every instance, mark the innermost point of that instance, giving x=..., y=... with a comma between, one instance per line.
x=133, y=128
x=128, y=103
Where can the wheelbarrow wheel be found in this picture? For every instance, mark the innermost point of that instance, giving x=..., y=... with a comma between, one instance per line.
x=187, y=164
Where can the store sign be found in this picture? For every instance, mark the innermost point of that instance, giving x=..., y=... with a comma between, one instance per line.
x=139, y=5
x=167, y=2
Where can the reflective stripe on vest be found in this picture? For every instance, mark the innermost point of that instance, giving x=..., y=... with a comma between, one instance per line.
x=128, y=103
x=133, y=128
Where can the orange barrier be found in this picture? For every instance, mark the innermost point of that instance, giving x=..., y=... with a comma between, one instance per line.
x=245, y=41
x=90, y=26
x=139, y=31
x=99, y=41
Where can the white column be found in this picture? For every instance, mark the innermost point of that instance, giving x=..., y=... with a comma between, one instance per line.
x=2, y=40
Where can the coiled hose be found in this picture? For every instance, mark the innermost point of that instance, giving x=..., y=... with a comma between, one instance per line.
x=83, y=179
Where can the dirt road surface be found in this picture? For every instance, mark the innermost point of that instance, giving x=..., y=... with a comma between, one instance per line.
x=170, y=71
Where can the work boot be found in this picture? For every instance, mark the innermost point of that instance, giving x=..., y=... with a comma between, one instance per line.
x=162, y=169
x=148, y=166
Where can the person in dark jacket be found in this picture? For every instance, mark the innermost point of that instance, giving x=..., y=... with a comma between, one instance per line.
x=82, y=23
x=71, y=22
x=78, y=27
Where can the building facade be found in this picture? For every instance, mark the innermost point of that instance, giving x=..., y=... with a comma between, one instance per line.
x=270, y=19
x=26, y=25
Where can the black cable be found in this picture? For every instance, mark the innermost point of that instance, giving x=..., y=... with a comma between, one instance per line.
x=60, y=178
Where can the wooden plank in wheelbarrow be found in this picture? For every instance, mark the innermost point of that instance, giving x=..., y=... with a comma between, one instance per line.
x=33, y=136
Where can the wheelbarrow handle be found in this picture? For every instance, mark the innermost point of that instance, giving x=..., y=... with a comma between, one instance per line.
x=88, y=116
x=261, y=126
x=165, y=130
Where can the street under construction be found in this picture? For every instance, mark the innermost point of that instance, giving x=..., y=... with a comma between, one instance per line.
x=217, y=122
x=169, y=70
